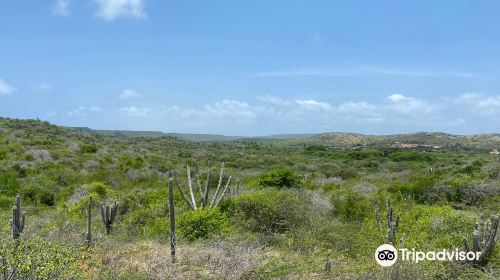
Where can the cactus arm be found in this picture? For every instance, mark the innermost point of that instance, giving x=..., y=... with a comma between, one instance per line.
x=190, y=184
x=207, y=186
x=218, y=186
x=224, y=191
x=184, y=196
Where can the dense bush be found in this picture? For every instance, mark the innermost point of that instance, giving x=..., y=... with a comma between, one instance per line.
x=350, y=205
x=347, y=173
x=410, y=156
x=38, y=259
x=279, y=178
x=268, y=211
x=202, y=223
x=417, y=188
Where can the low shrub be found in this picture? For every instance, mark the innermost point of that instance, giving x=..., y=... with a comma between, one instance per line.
x=350, y=205
x=202, y=223
x=279, y=178
x=268, y=211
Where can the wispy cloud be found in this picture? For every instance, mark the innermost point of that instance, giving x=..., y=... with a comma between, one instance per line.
x=61, y=7
x=480, y=103
x=113, y=9
x=5, y=88
x=134, y=111
x=43, y=87
x=364, y=71
x=128, y=94
x=81, y=111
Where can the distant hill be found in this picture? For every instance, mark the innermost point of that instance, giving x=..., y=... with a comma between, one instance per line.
x=437, y=139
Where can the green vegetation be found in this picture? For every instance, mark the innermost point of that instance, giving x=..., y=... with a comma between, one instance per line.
x=292, y=206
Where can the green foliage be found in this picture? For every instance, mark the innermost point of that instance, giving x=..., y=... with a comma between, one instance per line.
x=279, y=178
x=38, y=259
x=89, y=148
x=101, y=189
x=410, y=156
x=347, y=173
x=268, y=211
x=202, y=223
x=365, y=154
x=8, y=183
x=474, y=167
x=416, y=188
x=350, y=205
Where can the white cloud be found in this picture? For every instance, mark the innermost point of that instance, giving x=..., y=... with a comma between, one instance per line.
x=136, y=111
x=5, y=88
x=113, y=9
x=479, y=103
x=313, y=104
x=128, y=93
x=230, y=108
x=396, y=97
x=82, y=111
x=274, y=100
x=61, y=7
x=401, y=104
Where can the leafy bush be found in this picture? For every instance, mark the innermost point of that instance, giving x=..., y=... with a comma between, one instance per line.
x=279, y=178
x=8, y=183
x=410, y=156
x=418, y=188
x=101, y=189
x=268, y=211
x=347, y=173
x=202, y=223
x=38, y=259
x=350, y=205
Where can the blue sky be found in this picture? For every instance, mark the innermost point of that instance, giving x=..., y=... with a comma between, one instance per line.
x=253, y=67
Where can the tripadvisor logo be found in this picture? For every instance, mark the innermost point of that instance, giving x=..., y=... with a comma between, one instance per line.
x=387, y=255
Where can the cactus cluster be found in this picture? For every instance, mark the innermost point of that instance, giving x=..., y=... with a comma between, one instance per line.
x=203, y=190
x=18, y=220
x=108, y=214
x=483, y=240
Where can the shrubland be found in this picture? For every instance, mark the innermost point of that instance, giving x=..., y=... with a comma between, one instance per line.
x=290, y=212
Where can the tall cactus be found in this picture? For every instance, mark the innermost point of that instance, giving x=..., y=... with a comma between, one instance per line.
x=392, y=225
x=108, y=214
x=88, y=238
x=18, y=220
x=172, y=218
x=483, y=240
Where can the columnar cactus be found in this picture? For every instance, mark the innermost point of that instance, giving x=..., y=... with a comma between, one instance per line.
x=88, y=238
x=483, y=240
x=172, y=218
x=18, y=219
x=108, y=214
x=392, y=225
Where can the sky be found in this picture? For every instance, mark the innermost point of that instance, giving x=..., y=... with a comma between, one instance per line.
x=252, y=68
